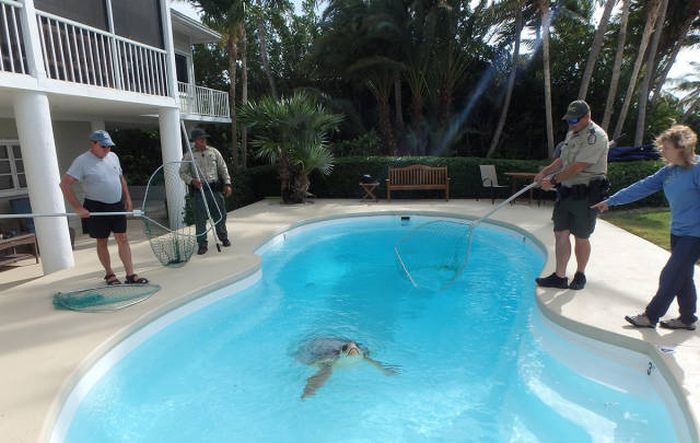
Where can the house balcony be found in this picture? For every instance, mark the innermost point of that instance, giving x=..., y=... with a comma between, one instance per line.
x=78, y=53
x=203, y=103
x=13, y=56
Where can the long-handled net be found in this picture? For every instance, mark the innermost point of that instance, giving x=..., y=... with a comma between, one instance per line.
x=434, y=254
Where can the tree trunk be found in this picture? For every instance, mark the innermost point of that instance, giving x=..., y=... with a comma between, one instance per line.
x=544, y=5
x=244, y=99
x=595, y=49
x=264, y=58
x=615, y=79
x=684, y=29
x=385, y=123
x=398, y=109
x=511, y=83
x=649, y=75
x=232, y=50
x=651, y=18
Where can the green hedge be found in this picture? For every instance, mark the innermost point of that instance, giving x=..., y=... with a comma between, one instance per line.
x=256, y=183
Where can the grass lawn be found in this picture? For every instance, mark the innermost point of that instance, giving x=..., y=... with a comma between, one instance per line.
x=650, y=224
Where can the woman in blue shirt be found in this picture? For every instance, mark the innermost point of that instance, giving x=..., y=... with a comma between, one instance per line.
x=680, y=181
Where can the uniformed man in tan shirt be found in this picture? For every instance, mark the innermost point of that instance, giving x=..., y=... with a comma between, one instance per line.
x=212, y=170
x=579, y=175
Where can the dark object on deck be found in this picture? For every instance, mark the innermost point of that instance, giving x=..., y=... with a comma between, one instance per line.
x=633, y=153
x=367, y=179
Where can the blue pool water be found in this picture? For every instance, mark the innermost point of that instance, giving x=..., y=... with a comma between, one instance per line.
x=473, y=365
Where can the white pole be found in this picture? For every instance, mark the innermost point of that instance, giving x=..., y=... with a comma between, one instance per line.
x=171, y=150
x=35, y=130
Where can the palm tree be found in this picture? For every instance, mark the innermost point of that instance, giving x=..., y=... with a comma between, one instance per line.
x=517, y=9
x=649, y=74
x=292, y=133
x=652, y=11
x=691, y=85
x=617, y=64
x=544, y=12
x=260, y=12
x=228, y=18
x=680, y=21
x=595, y=49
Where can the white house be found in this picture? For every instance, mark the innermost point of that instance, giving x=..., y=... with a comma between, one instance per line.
x=68, y=67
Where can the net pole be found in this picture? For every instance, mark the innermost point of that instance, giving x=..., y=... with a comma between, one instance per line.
x=505, y=202
x=134, y=213
x=201, y=189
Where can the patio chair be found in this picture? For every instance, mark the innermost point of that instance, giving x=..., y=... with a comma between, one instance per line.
x=489, y=180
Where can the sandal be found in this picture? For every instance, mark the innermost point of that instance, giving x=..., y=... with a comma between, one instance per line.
x=134, y=279
x=112, y=279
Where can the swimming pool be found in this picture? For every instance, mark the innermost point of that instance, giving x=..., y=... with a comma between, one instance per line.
x=475, y=359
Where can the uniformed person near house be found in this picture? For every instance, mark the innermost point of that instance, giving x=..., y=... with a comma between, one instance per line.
x=212, y=169
x=579, y=175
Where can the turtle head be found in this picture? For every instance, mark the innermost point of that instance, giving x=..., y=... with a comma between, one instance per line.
x=350, y=349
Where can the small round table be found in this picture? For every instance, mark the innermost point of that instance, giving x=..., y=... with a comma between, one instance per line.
x=369, y=190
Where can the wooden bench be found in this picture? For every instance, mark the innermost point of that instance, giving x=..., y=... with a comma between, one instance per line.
x=12, y=243
x=418, y=177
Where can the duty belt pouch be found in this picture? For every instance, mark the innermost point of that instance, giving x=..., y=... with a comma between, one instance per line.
x=599, y=190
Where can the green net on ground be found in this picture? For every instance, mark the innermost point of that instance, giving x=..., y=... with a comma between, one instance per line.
x=104, y=298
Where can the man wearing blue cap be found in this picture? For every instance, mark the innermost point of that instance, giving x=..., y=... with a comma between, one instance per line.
x=100, y=174
x=579, y=175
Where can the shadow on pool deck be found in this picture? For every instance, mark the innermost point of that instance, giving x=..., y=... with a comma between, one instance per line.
x=43, y=351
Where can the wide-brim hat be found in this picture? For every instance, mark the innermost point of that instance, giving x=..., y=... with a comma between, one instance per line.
x=198, y=132
x=576, y=109
x=102, y=137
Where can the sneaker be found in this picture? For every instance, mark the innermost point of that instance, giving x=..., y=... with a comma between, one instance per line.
x=640, y=321
x=578, y=282
x=677, y=323
x=553, y=281
x=226, y=242
x=202, y=250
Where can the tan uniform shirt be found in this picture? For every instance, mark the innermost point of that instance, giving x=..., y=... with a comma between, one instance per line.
x=210, y=163
x=589, y=145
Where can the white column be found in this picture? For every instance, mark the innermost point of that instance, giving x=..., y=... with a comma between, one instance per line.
x=171, y=150
x=35, y=132
x=169, y=50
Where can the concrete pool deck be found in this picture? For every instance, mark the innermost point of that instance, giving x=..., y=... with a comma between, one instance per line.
x=44, y=351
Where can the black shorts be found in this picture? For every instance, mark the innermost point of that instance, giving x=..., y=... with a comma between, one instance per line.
x=575, y=215
x=102, y=226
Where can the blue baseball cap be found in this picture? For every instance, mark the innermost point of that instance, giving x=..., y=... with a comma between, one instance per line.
x=102, y=137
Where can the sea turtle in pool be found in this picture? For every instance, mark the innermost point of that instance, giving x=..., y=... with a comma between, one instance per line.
x=329, y=352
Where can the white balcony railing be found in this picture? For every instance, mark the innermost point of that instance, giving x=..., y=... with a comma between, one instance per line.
x=78, y=53
x=202, y=101
x=13, y=57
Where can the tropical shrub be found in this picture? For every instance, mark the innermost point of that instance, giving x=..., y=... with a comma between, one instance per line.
x=292, y=133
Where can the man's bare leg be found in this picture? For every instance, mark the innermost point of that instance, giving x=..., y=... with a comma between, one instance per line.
x=562, y=251
x=103, y=255
x=125, y=252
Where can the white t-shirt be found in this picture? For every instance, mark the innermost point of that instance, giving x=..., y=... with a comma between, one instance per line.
x=99, y=177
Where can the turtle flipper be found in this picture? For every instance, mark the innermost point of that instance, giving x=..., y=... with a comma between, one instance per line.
x=317, y=380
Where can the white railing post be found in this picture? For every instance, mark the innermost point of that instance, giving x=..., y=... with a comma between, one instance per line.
x=32, y=41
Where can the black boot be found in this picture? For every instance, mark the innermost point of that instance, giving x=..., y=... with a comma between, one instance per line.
x=553, y=281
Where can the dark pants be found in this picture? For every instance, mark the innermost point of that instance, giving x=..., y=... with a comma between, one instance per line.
x=215, y=201
x=676, y=280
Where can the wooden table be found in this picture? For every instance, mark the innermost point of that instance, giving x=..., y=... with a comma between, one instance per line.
x=12, y=243
x=528, y=177
x=369, y=190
